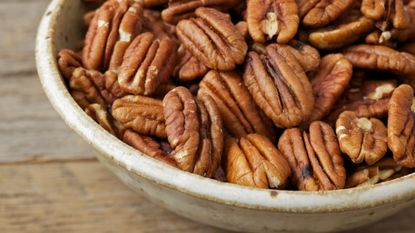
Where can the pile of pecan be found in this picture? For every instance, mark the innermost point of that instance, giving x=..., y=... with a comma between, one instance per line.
x=286, y=94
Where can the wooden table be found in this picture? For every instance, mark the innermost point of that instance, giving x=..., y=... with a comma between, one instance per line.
x=49, y=178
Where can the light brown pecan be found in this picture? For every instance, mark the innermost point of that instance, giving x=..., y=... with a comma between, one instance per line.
x=361, y=138
x=323, y=12
x=373, y=9
x=188, y=67
x=345, y=32
x=68, y=61
x=184, y=9
x=112, y=29
x=148, y=64
x=380, y=38
x=272, y=18
x=383, y=170
x=388, y=13
x=379, y=57
x=149, y=146
x=314, y=157
x=83, y=88
x=254, y=161
x=279, y=86
x=100, y=114
x=329, y=82
x=401, y=126
x=213, y=39
x=194, y=130
x=307, y=56
x=141, y=114
x=239, y=113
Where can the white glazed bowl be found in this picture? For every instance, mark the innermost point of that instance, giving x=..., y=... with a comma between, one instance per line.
x=201, y=199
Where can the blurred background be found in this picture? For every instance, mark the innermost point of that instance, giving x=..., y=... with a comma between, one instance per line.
x=49, y=178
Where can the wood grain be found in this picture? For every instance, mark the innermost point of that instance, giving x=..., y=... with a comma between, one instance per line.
x=49, y=180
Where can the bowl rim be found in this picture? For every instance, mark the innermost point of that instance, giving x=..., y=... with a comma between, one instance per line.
x=137, y=163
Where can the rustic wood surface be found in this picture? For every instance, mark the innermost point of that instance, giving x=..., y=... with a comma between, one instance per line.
x=49, y=179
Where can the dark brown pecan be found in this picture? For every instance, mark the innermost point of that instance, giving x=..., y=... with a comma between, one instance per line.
x=188, y=67
x=148, y=146
x=142, y=114
x=83, y=88
x=381, y=58
x=213, y=39
x=361, y=138
x=68, y=61
x=347, y=31
x=323, y=12
x=401, y=126
x=153, y=3
x=112, y=29
x=254, y=161
x=314, y=157
x=279, y=86
x=194, y=130
x=383, y=170
x=100, y=114
x=329, y=82
x=272, y=18
x=184, y=9
x=148, y=64
x=307, y=56
x=238, y=110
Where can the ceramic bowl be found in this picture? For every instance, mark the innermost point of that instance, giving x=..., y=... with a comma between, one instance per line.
x=205, y=200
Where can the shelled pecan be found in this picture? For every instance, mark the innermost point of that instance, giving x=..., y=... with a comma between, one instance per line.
x=188, y=67
x=68, y=61
x=254, y=161
x=101, y=116
x=319, y=13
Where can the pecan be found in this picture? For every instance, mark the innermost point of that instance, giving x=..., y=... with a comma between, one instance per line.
x=279, y=86
x=272, y=18
x=381, y=171
x=242, y=27
x=381, y=58
x=88, y=16
x=188, y=67
x=323, y=12
x=373, y=9
x=380, y=38
x=345, y=32
x=314, y=157
x=194, y=130
x=101, y=116
x=392, y=13
x=183, y=9
x=141, y=114
x=361, y=138
x=148, y=64
x=329, y=83
x=239, y=113
x=213, y=39
x=307, y=56
x=68, y=61
x=148, y=146
x=83, y=89
x=111, y=30
x=254, y=161
x=154, y=24
x=401, y=126
x=153, y=3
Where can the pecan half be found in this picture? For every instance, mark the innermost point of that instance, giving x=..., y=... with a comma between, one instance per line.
x=239, y=113
x=314, y=157
x=323, y=12
x=194, y=130
x=153, y=3
x=148, y=146
x=380, y=38
x=329, y=83
x=112, y=29
x=381, y=58
x=254, y=161
x=361, y=138
x=83, y=89
x=142, y=114
x=148, y=64
x=383, y=170
x=392, y=13
x=279, y=86
x=184, y=9
x=307, y=56
x=101, y=116
x=401, y=126
x=272, y=18
x=373, y=9
x=345, y=32
x=68, y=61
x=213, y=39
x=188, y=67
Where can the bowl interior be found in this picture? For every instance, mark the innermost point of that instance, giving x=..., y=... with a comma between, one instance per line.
x=62, y=27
